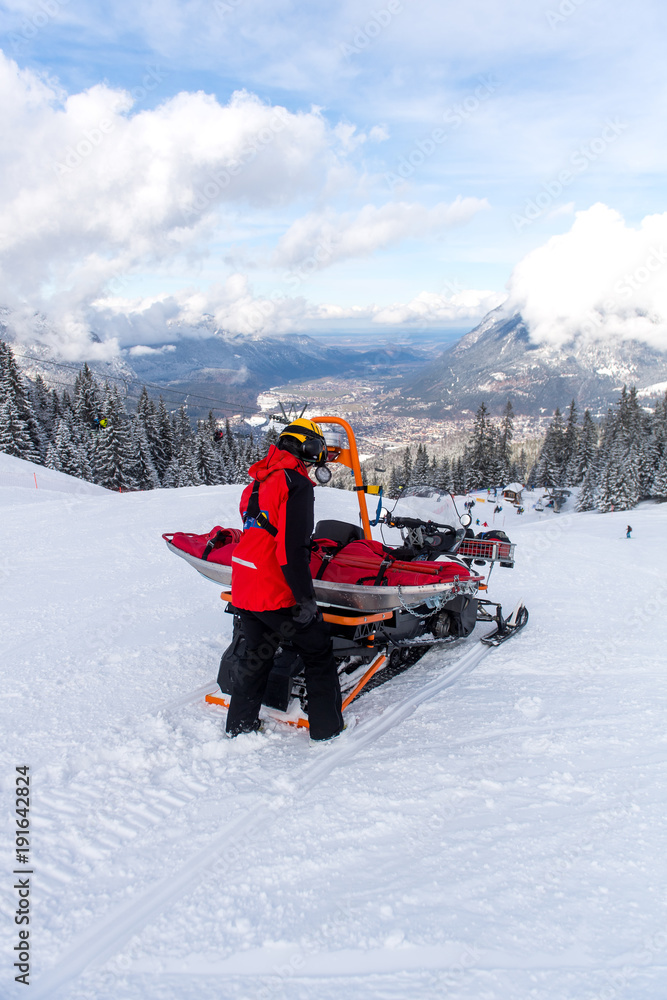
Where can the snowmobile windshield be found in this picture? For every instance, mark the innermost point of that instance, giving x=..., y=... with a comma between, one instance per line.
x=427, y=504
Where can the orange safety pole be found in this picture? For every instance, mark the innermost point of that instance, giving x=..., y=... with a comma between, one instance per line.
x=354, y=465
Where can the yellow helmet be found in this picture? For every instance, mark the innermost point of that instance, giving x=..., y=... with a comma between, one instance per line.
x=304, y=438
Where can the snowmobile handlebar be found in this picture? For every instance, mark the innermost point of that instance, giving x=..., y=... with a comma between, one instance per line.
x=415, y=522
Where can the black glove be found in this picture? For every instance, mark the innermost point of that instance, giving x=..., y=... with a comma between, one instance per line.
x=308, y=612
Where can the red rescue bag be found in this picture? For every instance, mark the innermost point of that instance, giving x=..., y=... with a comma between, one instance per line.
x=215, y=546
x=370, y=563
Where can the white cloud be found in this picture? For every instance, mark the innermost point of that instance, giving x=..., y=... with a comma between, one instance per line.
x=566, y=209
x=96, y=190
x=231, y=306
x=379, y=133
x=141, y=350
x=428, y=308
x=602, y=278
x=234, y=307
x=327, y=237
x=91, y=191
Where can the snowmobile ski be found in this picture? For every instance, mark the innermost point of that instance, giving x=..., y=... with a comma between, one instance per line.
x=509, y=627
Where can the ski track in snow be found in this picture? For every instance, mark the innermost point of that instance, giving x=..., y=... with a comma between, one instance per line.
x=103, y=940
x=479, y=834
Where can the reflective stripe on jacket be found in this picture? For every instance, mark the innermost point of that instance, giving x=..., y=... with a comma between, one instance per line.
x=274, y=572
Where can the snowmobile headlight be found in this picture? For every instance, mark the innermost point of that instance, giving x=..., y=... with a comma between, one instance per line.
x=322, y=474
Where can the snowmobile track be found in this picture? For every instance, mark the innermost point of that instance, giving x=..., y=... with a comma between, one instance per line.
x=106, y=937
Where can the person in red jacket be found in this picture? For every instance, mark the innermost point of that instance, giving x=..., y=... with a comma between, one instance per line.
x=272, y=587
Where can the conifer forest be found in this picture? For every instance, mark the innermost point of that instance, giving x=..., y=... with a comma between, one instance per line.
x=88, y=432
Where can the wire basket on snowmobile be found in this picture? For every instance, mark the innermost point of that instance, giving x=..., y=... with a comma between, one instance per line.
x=489, y=549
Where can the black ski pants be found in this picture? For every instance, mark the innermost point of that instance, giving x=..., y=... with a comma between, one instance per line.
x=264, y=631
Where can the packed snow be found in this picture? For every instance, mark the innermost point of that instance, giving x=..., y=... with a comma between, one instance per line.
x=491, y=827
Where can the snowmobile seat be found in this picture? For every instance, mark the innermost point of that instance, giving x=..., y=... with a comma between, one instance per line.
x=341, y=532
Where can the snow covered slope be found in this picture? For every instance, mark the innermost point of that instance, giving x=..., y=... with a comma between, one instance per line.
x=15, y=474
x=493, y=827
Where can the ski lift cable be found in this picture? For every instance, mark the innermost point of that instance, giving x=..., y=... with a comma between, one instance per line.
x=150, y=385
x=243, y=407
x=132, y=394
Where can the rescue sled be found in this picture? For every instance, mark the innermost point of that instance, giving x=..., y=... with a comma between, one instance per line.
x=363, y=597
x=387, y=602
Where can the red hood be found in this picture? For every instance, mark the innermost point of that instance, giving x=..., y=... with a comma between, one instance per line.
x=276, y=459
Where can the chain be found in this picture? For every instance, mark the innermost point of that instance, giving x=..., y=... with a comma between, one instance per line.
x=415, y=614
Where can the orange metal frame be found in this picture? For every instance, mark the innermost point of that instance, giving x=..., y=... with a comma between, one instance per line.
x=350, y=457
x=301, y=722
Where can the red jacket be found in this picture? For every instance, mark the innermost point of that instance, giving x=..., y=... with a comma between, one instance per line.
x=273, y=571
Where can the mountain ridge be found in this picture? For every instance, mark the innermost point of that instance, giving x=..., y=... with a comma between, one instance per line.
x=214, y=369
x=498, y=360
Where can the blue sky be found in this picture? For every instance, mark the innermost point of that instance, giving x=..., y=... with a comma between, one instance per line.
x=417, y=165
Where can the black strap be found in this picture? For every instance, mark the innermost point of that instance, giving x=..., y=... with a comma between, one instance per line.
x=213, y=543
x=253, y=513
x=384, y=566
x=326, y=555
x=253, y=503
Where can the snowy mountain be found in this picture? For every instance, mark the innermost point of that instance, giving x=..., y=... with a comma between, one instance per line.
x=498, y=360
x=204, y=364
x=239, y=367
x=491, y=827
x=37, y=353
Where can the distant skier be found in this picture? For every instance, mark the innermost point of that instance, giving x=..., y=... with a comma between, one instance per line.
x=628, y=532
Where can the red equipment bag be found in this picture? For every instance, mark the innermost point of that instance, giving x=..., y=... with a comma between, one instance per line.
x=372, y=564
x=216, y=546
